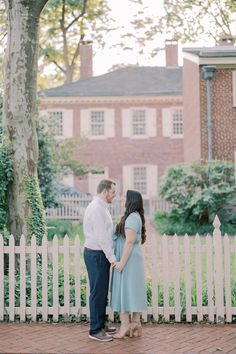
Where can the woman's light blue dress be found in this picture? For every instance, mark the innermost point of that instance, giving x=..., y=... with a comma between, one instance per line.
x=128, y=288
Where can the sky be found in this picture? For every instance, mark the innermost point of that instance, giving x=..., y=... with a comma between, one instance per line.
x=122, y=12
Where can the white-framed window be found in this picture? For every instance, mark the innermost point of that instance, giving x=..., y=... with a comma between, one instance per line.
x=141, y=177
x=234, y=87
x=178, y=122
x=56, y=122
x=97, y=123
x=94, y=178
x=139, y=122
x=172, y=122
x=59, y=121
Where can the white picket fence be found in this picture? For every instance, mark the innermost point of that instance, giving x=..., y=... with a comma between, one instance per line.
x=198, y=262
x=72, y=206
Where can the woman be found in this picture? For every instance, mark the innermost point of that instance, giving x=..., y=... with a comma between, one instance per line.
x=128, y=289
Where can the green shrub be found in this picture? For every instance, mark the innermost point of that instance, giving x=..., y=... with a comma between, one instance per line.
x=169, y=224
x=198, y=191
x=6, y=176
x=64, y=227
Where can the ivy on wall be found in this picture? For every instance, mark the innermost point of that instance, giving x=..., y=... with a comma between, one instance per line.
x=37, y=222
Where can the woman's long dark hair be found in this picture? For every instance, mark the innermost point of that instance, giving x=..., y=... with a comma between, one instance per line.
x=134, y=203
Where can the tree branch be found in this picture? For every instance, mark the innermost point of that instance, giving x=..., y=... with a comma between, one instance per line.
x=78, y=17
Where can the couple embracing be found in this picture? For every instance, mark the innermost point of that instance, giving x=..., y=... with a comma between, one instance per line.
x=119, y=248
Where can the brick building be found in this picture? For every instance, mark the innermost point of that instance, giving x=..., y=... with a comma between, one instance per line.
x=222, y=60
x=131, y=118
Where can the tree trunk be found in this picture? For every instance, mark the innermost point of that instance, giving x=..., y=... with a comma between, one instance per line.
x=20, y=69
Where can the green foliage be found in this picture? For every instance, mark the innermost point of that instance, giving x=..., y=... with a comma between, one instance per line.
x=50, y=288
x=187, y=19
x=47, y=167
x=198, y=191
x=64, y=26
x=36, y=222
x=6, y=176
x=64, y=227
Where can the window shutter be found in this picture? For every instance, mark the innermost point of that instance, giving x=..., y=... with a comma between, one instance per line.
x=127, y=178
x=126, y=123
x=166, y=122
x=67, y=124
x=109, y=123
x=234, y=87
x=152, y=180
x=151, y=122
x=84, y=122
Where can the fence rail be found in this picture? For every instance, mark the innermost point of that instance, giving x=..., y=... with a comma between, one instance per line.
x=195, y=278
x=72, y=207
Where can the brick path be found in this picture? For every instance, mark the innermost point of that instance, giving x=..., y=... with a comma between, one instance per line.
x=156, y=339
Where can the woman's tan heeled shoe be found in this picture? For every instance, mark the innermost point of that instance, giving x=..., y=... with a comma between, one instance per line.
x=136, y=330
x=124, y=331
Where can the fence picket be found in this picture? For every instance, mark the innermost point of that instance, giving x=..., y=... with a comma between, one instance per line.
x=11, y=278
x=227, y=279
x=55, y=278
x=77, y=277
x=45, y=278
x=33, y=267
x=198, y=277
x=176, y=279
x=217, y=241
x=165, y=277
x=209, y=259
x=187, y=270
x=1, y=278
x=66, y=277
x=154, y=279
x=22, y=279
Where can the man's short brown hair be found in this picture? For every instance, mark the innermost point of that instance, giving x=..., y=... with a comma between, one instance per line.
x=105, y=184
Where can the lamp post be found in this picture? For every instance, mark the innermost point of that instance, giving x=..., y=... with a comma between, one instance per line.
x=208, y=73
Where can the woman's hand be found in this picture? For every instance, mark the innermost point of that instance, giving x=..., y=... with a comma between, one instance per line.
x=118, y=266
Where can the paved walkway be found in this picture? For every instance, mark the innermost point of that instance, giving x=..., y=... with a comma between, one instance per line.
x=156, y=339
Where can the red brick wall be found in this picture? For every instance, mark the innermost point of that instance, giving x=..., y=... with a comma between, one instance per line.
x=119, y=151
x=116, y=152
x=191, y=103
x=223, y=117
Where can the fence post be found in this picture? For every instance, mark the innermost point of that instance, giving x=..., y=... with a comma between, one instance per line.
x=218, y=274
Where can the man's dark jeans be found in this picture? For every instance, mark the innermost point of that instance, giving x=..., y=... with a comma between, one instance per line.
x=98, y=268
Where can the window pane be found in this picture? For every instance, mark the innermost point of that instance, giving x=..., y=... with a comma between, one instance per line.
x=56, y=123
x=139, y=122
x=178, y=122
x=97, y=123
x=140, y=179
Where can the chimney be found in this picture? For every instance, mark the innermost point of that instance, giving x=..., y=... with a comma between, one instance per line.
x=226, y=41
x=86, y=59
x=171, y=48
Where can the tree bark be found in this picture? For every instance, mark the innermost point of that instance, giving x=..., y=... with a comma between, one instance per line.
x=20, y=72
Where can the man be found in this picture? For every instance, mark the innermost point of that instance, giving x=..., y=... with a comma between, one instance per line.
x=98, y=256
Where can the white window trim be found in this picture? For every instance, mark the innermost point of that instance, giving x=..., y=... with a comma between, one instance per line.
x=67, y=132
x=176, y=136
x=169, y=116
x=127, y=121
x=127, y=181
x=109, y=123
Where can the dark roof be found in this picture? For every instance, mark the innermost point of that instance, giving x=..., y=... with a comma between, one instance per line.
x=130, y=81
x=213, y=52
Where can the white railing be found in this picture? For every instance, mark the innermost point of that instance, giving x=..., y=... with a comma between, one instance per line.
x=192, y=278
x=72, y=207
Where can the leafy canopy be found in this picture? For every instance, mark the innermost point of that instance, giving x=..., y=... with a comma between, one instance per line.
x=200, y=190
